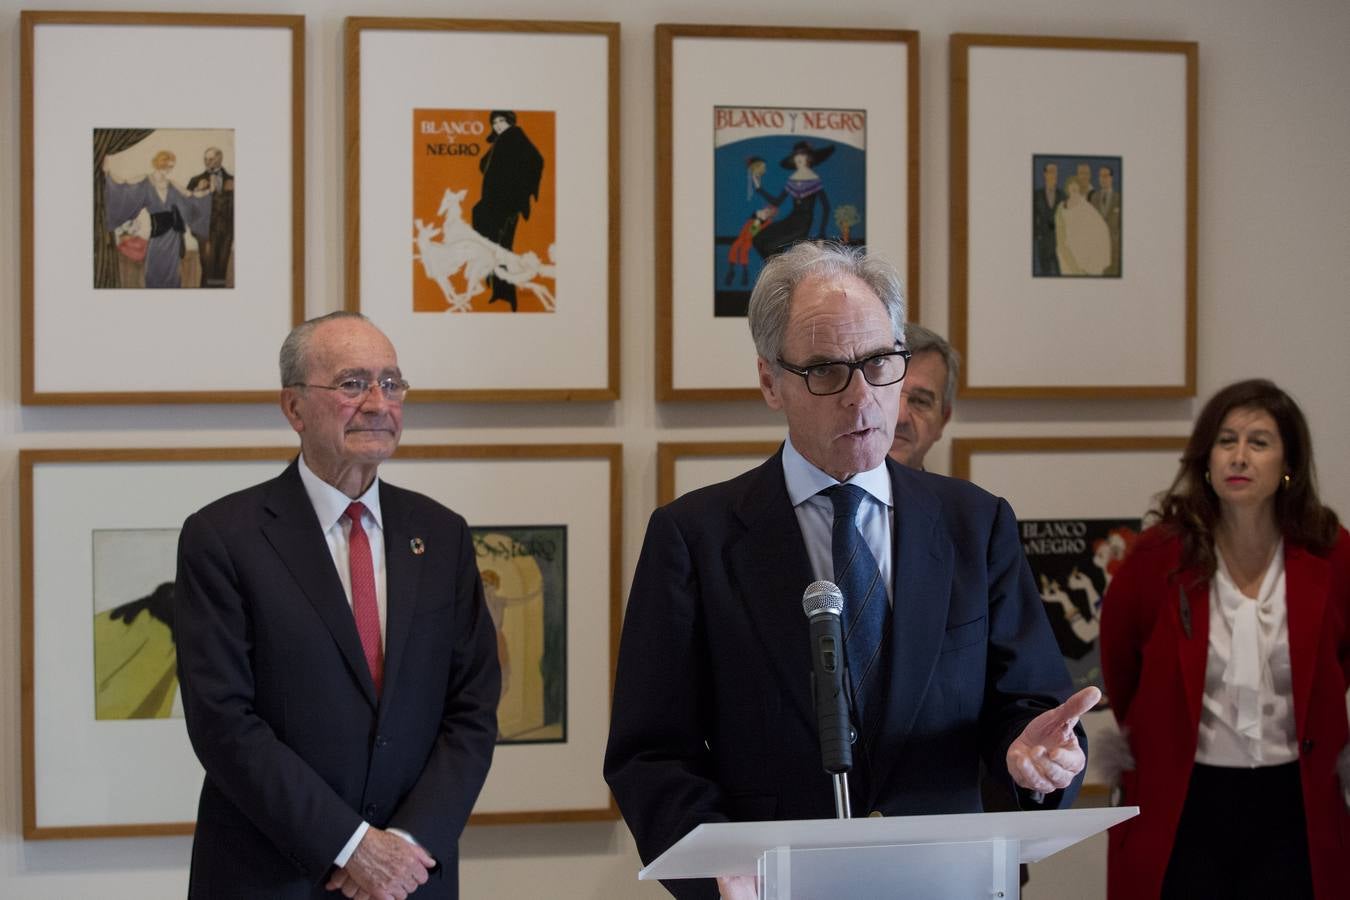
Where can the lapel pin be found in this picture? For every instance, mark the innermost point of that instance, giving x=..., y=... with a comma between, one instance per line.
x=418, y=547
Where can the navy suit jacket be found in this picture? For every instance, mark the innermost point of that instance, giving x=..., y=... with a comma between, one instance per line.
x=712, y=715
x=280, y=704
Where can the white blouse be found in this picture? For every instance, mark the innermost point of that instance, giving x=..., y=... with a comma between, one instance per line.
x=1247, y=712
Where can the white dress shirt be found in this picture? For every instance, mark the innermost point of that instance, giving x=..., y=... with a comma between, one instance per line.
x=330, y=505
x=1247, y=711
x=815, y=513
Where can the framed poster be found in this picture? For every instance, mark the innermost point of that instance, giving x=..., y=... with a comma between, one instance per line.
x=547, y=525
x=766, y=156
x=483, y=203
x=1073, y=216
x=683, y=466
x=105, y=750
x=1080, y=504
x=163, y=227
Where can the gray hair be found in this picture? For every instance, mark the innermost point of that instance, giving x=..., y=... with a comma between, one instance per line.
x=772, y=296
x=294, y=356
x=925, y=340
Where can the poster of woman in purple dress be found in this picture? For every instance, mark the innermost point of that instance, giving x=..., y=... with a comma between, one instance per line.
x=156, y=227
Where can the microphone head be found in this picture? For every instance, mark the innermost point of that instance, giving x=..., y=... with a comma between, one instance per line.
x=822, y=598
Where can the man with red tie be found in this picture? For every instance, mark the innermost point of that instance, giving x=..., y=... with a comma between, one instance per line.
x=338, y=665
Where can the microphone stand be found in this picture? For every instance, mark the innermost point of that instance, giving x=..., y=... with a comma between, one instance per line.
x=842, y=808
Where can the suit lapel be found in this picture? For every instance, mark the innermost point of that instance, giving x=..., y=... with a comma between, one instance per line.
x=770, y=570
x=921, y=580
x=402, y=572
x=1306, y=579
x=294, y=534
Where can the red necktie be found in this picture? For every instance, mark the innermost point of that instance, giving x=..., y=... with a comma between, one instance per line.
x=364, y=605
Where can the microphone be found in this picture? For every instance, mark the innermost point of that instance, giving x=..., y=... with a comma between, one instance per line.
x=823, y=603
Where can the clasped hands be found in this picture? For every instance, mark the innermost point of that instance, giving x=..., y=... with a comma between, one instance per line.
x=384, y=866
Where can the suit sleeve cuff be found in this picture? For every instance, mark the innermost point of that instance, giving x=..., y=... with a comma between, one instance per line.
x=350, y=847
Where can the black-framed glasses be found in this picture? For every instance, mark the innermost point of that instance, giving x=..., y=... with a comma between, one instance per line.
x=356, y=389
x=879, y=370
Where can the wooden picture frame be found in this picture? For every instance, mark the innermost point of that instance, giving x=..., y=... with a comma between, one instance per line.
x=90, y=773
x=1055, y=295
x=682, y=466
x=128, y=315
x=581, y=486
x=1107, y=478
x=715, y=103
x=99, y=527
x=532, y=314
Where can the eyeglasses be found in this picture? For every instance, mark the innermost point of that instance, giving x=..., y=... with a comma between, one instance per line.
x=879, y=370
x=356, y=389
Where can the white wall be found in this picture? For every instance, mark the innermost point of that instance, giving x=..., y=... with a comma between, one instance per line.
x=1274, y=265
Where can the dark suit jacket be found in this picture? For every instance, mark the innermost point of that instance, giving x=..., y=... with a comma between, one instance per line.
x=280, y=704
x=1154, y=665
x=712, y=715
x=1046, y=258
x=218, y=241
x=1109, y=207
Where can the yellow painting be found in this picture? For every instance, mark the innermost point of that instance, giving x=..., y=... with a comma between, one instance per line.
x=524, y=582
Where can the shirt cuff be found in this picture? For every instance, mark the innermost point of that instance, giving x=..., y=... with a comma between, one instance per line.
x=350, y=846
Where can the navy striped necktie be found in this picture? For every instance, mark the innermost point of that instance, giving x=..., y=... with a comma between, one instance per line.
x=866, y=608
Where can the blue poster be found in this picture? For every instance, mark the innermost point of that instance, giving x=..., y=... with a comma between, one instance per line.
x=782, y=175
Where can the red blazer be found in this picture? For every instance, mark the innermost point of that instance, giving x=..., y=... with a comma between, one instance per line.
x=1155, y=672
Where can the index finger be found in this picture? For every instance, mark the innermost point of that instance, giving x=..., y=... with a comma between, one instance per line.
x=1073, y=708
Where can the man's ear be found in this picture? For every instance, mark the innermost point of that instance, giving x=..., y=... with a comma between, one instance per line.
x=768, y=383
x=290, y=408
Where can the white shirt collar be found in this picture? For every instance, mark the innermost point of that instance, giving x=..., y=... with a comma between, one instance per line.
x=330, y=504
x=804, y=480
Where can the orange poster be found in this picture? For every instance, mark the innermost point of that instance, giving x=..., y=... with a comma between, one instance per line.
x=484, y=215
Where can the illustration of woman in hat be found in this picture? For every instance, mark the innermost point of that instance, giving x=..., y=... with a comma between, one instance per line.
x=807, y=191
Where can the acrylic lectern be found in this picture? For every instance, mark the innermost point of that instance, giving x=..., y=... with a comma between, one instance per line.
x=929, y=857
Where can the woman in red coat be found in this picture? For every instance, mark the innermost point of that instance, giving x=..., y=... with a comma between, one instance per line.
x=1225, y=644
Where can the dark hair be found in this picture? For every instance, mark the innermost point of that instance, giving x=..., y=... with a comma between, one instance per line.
x=493, y=116
x=924, y=340
x=1191, y=508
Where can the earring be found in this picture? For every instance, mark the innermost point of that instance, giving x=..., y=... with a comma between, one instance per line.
x=1286, y=479
x=1207, y=476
